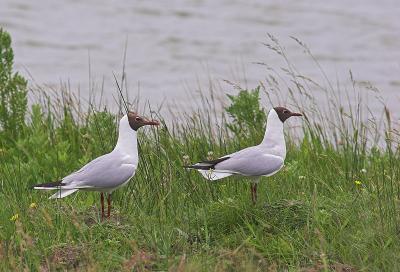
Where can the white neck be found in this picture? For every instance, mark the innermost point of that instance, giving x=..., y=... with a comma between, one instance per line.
x=274, y=138
x=127, y=140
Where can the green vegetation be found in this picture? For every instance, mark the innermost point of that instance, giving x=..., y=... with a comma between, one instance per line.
x=12, y=89
x=334, y=206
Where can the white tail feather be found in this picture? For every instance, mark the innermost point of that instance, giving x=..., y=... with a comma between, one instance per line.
x=46, y=188
x=63, y=193
x=214, y=175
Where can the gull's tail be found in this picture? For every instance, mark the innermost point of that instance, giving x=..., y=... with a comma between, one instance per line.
x=56, y=185
x=207, y=169
x=49, y=185
x=63, y=193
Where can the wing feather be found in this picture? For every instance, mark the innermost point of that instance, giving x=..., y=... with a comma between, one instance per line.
x=252, y=161
x=104, y=172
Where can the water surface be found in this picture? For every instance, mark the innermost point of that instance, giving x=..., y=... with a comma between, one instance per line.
x=174, y=45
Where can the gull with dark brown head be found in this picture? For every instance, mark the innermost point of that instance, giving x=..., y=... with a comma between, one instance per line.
x=108, y=172
x=265, y=159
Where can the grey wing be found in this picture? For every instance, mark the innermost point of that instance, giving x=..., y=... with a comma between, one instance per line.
x=103, y=172
x=251, y=162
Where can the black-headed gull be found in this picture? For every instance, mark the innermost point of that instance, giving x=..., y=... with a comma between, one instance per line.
x=264, y=159
x=108, y=172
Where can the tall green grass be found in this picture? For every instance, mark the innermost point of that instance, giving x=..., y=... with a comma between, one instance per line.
x=334, y=205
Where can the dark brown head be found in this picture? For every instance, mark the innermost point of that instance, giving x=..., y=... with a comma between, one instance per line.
x=136, y=121
x=284, y=113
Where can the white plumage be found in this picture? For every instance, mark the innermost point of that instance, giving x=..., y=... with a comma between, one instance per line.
x=264, y=159
x=110, y=171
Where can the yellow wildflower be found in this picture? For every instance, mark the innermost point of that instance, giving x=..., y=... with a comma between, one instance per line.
x=33, y=205
x=14, y=217
x=358, y=182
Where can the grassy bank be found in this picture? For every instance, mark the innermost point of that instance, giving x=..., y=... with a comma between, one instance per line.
x=334, y=206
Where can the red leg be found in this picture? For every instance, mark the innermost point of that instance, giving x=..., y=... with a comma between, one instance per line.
x=253, y=188
x=109, y=206
x=102, y=205
x=255, y=193
x=252, y=192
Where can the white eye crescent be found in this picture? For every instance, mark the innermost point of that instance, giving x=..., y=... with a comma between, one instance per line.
x=285, y=111
x=138, y=118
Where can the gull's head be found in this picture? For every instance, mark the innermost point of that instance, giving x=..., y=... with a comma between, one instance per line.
x=136, y=121
x=284, y=113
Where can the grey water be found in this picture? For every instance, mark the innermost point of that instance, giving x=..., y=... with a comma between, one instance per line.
x=175, y=47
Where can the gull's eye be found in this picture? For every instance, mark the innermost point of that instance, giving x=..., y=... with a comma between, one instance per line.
x=138, y=118
x=285, y=111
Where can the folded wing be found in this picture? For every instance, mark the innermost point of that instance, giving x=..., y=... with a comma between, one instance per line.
x=252, y=161
x=102, y=173
x=252, y=164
